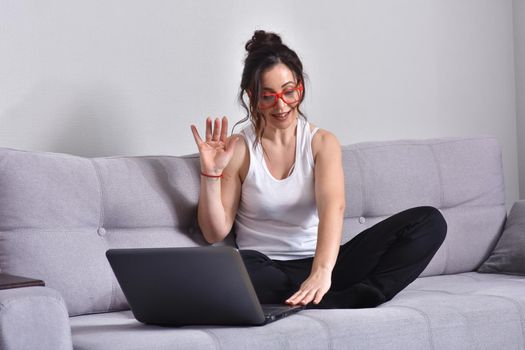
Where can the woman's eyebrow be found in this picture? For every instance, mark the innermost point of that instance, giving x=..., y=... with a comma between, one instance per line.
x=270, y=89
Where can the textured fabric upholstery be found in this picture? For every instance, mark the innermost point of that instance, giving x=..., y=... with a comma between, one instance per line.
x=60, y=213
x=33, y=318
x=462, y=177
x=447, y=312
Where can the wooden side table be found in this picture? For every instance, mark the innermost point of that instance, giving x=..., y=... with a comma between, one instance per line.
x=11, y=281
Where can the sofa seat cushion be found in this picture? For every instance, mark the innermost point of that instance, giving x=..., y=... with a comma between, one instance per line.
x=468, y=310
x=462, y=311
x=309, y=329
x=120, y=330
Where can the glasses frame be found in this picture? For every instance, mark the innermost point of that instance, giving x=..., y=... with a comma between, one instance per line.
x=279, y=95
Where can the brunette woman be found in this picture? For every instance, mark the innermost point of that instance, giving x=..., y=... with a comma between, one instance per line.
x=279, y=184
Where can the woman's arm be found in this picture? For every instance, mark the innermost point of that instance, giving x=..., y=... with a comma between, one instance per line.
x=330, y=199
x=219, y=197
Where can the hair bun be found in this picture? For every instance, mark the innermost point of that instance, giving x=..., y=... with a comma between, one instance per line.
x=261, y=39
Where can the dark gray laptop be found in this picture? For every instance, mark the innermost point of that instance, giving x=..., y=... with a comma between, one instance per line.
x=191, y=286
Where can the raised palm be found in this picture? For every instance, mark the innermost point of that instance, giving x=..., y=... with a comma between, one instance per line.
x=217, y=150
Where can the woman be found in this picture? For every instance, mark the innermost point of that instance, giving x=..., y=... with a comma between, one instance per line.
x=280, y=182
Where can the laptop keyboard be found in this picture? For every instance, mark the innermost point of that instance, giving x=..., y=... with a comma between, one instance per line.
x=272, y=309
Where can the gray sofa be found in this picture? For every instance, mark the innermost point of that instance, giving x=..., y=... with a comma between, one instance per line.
x=59, y=214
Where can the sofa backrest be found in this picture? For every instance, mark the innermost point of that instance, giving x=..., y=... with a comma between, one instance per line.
x=59, y=213
x=461, y=176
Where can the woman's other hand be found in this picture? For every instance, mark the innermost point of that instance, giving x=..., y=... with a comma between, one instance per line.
x=217, y=151
x=312, y=289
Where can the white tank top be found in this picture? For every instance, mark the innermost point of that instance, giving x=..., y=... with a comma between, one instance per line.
x=279, y=217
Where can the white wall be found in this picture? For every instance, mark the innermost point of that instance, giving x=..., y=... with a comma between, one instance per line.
x=519, y=49
x=112, y=77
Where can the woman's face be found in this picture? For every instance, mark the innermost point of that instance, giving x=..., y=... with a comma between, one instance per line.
x=279, y=114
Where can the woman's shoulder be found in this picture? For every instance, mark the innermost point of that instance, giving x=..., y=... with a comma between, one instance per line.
x=240, y=161
x=323, y=140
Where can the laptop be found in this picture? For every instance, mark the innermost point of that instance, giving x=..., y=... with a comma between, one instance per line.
x=191, y=286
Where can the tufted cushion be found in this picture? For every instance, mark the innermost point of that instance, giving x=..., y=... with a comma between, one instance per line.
x=462, y=177
x=59, y=213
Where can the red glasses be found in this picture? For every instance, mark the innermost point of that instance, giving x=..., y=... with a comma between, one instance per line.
x=288, y=95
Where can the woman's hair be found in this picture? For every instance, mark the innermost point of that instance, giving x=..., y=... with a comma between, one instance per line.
x=265, y=50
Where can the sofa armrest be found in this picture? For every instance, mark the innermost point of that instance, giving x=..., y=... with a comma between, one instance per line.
x=33, y=318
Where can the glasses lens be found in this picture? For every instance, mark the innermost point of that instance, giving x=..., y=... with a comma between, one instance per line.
x=288, y=96
x=267, y=101
x=291, y=95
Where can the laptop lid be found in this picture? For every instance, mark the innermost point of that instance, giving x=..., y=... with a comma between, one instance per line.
x=187, y=286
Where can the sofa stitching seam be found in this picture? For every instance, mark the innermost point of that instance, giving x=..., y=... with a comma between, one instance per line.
x=7, y=305
x=213, y=336
x=325, y=326
x=517, y=304
x=519, y=308
x=440, y=175
x=113, y=297
x=442, y=200
x=472, y=277
x=441, y=209
x=416, y=143
x=101, y=192
x=427, y=322
x=360, y=169
x=196, y=155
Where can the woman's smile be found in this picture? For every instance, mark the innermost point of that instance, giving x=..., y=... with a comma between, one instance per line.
x=281, y=116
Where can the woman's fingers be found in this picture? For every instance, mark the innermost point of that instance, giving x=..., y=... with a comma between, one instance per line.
x=318, y=296
x=291, y=299
x=216, y=130
x=208, y=129
x=224, y=129
x=196, y=135
x=306, y=296
x=297, y=297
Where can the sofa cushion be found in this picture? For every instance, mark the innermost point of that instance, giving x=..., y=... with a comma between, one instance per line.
x=309, y=329
x=509, y=254
x=462, y=177
x=59, y=213
x=462, y=311
x=468, y=310
x=33, y=318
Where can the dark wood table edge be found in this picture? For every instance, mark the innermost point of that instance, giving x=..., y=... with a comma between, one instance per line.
x=8, y=281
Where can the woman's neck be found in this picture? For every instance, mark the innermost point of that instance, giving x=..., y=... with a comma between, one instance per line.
x=281, y=137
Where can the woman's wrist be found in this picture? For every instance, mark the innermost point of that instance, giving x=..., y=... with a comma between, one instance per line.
x=322, y=267
x=321, y=270
x=211, y=175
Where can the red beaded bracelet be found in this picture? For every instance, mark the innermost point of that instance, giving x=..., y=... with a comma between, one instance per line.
x=212, y=176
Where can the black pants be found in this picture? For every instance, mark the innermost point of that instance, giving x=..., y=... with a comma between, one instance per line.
x=384, y=259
